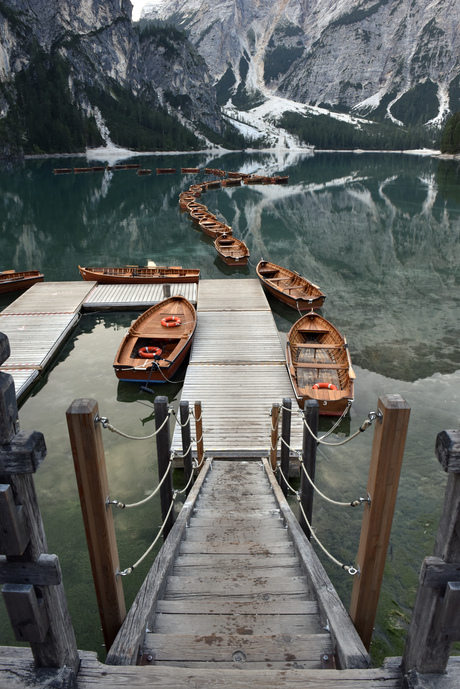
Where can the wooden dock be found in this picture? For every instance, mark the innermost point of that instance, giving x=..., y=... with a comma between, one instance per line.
x=237, y=369
x=40, y=320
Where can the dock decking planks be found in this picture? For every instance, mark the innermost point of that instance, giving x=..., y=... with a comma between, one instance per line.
x=120, y=296
x=232, y=607
x=237, y=370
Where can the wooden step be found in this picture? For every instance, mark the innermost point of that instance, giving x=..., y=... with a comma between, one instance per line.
x=215, y=648
x=246, y=625
x=236, y=588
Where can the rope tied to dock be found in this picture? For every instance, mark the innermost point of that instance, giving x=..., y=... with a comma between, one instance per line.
x=364, y=426
x=178, y=421
x=353, y=503
x=348, y=568
x=129, y=570
x=121, y=505
x=105, y=424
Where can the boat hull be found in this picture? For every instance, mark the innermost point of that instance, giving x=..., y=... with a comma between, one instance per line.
x=289, y=287
x=18, y=281
x=319, y=365
x=169, y=345
x=140, y=275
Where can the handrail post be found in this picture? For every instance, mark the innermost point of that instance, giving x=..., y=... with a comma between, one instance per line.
x=38, y=611
x=164, y=463
x=285, y=443
x=382, y=487
x=309, y=444
x=199, y=435
x=435, y=622
x=275, y=414
x=186, y=441
x=93, y=488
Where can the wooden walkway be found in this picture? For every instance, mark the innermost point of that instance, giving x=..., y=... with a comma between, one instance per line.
x=237, y=585
x=237, y=370
x=39, y=321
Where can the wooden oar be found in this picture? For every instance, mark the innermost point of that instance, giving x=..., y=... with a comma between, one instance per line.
x=351, y=372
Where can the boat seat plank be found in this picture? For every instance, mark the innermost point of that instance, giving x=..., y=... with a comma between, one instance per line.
x=323, y=366
x=316, y=345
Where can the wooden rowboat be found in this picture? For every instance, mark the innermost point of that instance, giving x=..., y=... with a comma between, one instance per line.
x=214, y=228
x=157, y=342
x=13, y=281
x=190, y=169
x=143, y=171
x=62, y=170
x=231, y=250
x=319, y=364
x=140, y=275
x=290, y=287
x=165, y=170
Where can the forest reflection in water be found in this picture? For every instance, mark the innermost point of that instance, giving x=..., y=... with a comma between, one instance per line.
x=379, y=233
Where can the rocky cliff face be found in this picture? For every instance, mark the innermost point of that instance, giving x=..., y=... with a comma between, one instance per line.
x=394, y=58
x=101, y=47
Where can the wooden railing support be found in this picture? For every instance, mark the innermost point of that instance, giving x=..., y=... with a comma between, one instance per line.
x=382, y=487
x=164, y=464
x=93, y=487
x=199, y=435
x=32, y=582
x=285, y=443
x=184, y=410
x=309, y=445
x=435, y=622
x=275, y=415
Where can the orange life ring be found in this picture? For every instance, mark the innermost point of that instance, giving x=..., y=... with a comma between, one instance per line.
x=149, y=352
x=171, y=321
x=324, y=386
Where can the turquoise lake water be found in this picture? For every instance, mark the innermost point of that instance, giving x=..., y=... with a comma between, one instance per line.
x=380, y=235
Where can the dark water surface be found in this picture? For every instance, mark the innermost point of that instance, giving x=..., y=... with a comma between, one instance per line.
x=379, y=233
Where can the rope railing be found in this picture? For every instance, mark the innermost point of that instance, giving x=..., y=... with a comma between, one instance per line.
x=105, y=424
x=353, y=503
x=129, y=570
x=121, y=505
x=348, y=568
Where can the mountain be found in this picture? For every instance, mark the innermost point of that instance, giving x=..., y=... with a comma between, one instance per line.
x=76, y=72
x=387, y=59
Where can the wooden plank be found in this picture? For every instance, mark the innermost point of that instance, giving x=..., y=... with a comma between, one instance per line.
x=202, y=587
x=247, y=547
x=51, y=298
x=231, y=295
x=18, y=672
x=45, y=571
x=221, y=607
x=206, y=561
x=349, y=649
x=27, y=616
x=116, y=296
x=221, y=647
x=246, y=625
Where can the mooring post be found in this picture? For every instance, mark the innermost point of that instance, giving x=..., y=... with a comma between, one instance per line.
x=309, y=444
x=33, y=591
x=164, y=462
x=382, y=487
x=199, y=435
x=285, y=443
x=435, y=622
x=275, y=414
x=93, y=487
x=186, y=441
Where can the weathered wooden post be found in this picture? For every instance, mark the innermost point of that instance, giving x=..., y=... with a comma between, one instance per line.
x=186, y=441
x=199, y=435
x=93, y=488
x=164, y=463
x=33, y=590
x=275, y=415
x=435, y=622
x=382, y=487
x=285, y=442
x=309, y=444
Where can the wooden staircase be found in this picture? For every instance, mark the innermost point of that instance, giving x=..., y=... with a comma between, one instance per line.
x=237, y=596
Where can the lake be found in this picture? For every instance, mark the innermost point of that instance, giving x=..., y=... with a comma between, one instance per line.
x=380, y=235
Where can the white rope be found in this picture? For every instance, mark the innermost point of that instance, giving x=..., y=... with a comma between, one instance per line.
x=361, y=429
x=286, y=481
x=106, y=424
x=184, y=490
x=127, y=571
x=177, y=456
x=351, y=570
x=122, y=505
x=355, y=503
x=182, y=425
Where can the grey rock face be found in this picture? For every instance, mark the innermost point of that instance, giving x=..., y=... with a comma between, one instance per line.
x=354, y=53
